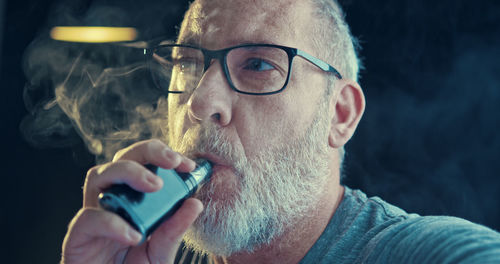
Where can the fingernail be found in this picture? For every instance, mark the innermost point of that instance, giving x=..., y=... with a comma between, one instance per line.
x=134, y=236
x=173, y=156
x=191, y=164
x=152, y=178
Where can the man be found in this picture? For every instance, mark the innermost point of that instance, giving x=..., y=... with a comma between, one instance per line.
x=273, y=120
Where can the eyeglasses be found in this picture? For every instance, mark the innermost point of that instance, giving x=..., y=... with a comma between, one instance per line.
x=256, y=69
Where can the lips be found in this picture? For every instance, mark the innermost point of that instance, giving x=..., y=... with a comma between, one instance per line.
x=220, y=165
x=214, y=159
x=225, y=182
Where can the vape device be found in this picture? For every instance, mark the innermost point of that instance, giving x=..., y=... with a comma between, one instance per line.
x=146, y=211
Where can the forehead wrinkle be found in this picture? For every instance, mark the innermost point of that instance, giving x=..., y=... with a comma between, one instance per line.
x=248, y=21
x=210, y=28
x=273, y=16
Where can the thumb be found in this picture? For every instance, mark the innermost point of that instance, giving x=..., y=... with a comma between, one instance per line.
x=165, y=241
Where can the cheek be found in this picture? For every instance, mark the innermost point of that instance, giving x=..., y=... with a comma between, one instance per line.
x=271, y=122
x=176, y=114
x=291, y=115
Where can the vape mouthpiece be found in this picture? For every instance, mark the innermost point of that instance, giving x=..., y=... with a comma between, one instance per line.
x=198, y=176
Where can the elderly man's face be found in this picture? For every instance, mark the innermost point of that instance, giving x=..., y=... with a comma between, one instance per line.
x=258, y=143
x=252, y=123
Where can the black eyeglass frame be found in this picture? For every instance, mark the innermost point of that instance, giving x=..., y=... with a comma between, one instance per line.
x=221, y=55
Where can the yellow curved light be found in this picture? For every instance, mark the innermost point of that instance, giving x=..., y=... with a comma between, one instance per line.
x=93, y=34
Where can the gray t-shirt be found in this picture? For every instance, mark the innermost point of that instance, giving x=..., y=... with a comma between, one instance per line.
x=369, y=230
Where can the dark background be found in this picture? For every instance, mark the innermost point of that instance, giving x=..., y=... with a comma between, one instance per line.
x=428, y=142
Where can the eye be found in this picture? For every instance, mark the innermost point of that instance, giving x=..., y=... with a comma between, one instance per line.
x=182, y=63
x=256, y=64
x=186, y=65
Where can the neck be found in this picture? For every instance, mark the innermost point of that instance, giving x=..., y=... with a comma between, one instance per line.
x=294, y=244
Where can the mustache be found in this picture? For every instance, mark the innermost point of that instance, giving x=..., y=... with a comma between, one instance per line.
x=209, y=138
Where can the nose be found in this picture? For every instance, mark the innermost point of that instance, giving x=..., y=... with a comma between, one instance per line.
x=212, y=98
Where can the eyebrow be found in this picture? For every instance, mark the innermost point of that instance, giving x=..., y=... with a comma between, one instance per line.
x=232, y=43
x=166, y=42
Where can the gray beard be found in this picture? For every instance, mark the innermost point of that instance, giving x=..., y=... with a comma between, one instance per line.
x=275, y=189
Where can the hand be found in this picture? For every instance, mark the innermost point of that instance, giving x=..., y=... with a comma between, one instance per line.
x=98, y=236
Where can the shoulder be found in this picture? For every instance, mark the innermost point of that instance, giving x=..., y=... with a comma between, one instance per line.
x=433, y=239
x=393, y=236
x=370, y=230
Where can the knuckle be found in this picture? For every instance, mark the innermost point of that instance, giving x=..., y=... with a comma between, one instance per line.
x=91, y=174
x=93, y=171
x=76, y=218
x=153, y=146
x=155, y=141
x=128, y=165
x=157, y=144
x=150, y=148
x=119, y=154
x=83, y=215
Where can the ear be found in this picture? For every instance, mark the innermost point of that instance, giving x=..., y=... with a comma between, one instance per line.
x=348, y=105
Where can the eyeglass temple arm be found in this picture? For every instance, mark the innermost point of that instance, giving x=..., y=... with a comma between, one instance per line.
x=319, y=63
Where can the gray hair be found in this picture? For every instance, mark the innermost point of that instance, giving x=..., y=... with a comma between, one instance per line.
x=333, y=39
x=334, y=42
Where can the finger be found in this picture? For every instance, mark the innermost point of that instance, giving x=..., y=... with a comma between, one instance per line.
x=124, y=171
x=162, y=246
x=157, y=153
x=171, y=232
x=91, y=224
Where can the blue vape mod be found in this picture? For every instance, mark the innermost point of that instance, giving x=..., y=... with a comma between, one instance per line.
x=146, y=211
